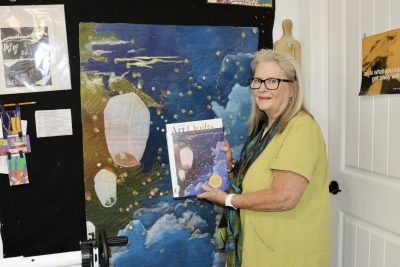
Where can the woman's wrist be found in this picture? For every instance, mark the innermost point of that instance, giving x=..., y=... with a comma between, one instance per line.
x=228, y=200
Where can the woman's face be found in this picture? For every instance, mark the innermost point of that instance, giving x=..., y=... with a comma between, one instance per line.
x=272, y=102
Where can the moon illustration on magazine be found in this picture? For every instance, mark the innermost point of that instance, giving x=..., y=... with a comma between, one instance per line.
x=215, y=181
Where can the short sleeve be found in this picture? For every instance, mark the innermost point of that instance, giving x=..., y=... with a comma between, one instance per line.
x=300, y=148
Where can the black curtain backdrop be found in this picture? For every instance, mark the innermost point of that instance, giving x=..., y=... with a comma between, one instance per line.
x=48, y=215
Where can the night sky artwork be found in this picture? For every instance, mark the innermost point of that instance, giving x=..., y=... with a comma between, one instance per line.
x=134, y=80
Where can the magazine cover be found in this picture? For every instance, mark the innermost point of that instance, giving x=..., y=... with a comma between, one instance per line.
x=195, y=157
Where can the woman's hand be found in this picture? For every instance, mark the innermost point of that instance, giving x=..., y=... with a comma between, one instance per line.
x=229, y=158
x=215, y=195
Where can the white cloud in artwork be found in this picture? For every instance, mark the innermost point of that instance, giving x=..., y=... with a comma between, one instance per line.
x=101, y=52
x=170, y=223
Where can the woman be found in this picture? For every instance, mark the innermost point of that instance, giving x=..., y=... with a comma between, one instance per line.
x=280, y=182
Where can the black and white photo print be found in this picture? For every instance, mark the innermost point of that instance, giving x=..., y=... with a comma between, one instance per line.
x=26, y=56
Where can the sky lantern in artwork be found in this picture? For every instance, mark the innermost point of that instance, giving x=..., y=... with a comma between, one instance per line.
x=181, y=175
x=186, y=157
x=127, y=127
x=105, y=185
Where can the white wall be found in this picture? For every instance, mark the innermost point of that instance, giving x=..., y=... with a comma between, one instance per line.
x=287, y=9
x=312, y=33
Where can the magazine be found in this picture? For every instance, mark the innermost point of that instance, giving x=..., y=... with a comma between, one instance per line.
x=195, y=157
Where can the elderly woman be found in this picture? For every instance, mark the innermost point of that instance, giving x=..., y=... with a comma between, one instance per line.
x=279, y=186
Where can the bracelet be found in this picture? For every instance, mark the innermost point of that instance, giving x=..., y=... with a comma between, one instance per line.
x=228, y=201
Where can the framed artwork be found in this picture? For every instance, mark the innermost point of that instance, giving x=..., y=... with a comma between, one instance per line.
x=381, y=63
x=34, y=52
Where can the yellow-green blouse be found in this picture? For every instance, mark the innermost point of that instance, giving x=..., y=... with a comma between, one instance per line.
x=298, y=237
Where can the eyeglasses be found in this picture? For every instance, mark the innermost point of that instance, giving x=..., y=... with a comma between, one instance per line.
x=270, y=83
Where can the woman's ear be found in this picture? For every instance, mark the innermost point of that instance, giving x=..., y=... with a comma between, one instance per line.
x=293, y=88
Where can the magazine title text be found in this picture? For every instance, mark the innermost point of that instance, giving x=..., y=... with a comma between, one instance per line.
x=192, y=127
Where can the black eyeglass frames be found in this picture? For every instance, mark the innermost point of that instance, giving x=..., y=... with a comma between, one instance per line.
x=270, y=83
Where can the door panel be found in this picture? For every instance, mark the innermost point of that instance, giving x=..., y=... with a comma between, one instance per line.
x=364, y=143
x=380, y=134
x=394, y=133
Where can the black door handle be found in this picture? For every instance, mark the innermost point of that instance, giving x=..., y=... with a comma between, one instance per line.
x=334, y=187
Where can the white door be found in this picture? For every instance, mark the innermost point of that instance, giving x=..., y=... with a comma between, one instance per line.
x=364, y=142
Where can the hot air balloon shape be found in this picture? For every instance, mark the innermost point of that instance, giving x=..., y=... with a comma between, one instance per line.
x=182, y=175
x=127, y=127
x=105, y=185
x=186, y=157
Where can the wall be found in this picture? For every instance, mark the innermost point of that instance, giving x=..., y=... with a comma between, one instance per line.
x=309, y=28
x=287, y=9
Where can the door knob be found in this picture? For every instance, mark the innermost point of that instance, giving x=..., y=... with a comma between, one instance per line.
x=334, y=187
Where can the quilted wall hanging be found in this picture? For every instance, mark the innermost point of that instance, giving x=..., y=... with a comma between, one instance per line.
x=135, y=79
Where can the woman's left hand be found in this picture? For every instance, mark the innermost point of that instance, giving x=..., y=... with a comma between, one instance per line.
x=215, y=195
x=227, y=149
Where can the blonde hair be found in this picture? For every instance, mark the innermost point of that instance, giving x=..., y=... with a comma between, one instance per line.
x=292, y=71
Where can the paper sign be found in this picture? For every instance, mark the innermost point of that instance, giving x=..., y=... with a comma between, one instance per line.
x=53, y=122
x=14, y=144
x=17, y=170
x=3, y=159
x=3, y=165
x=10, y=122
